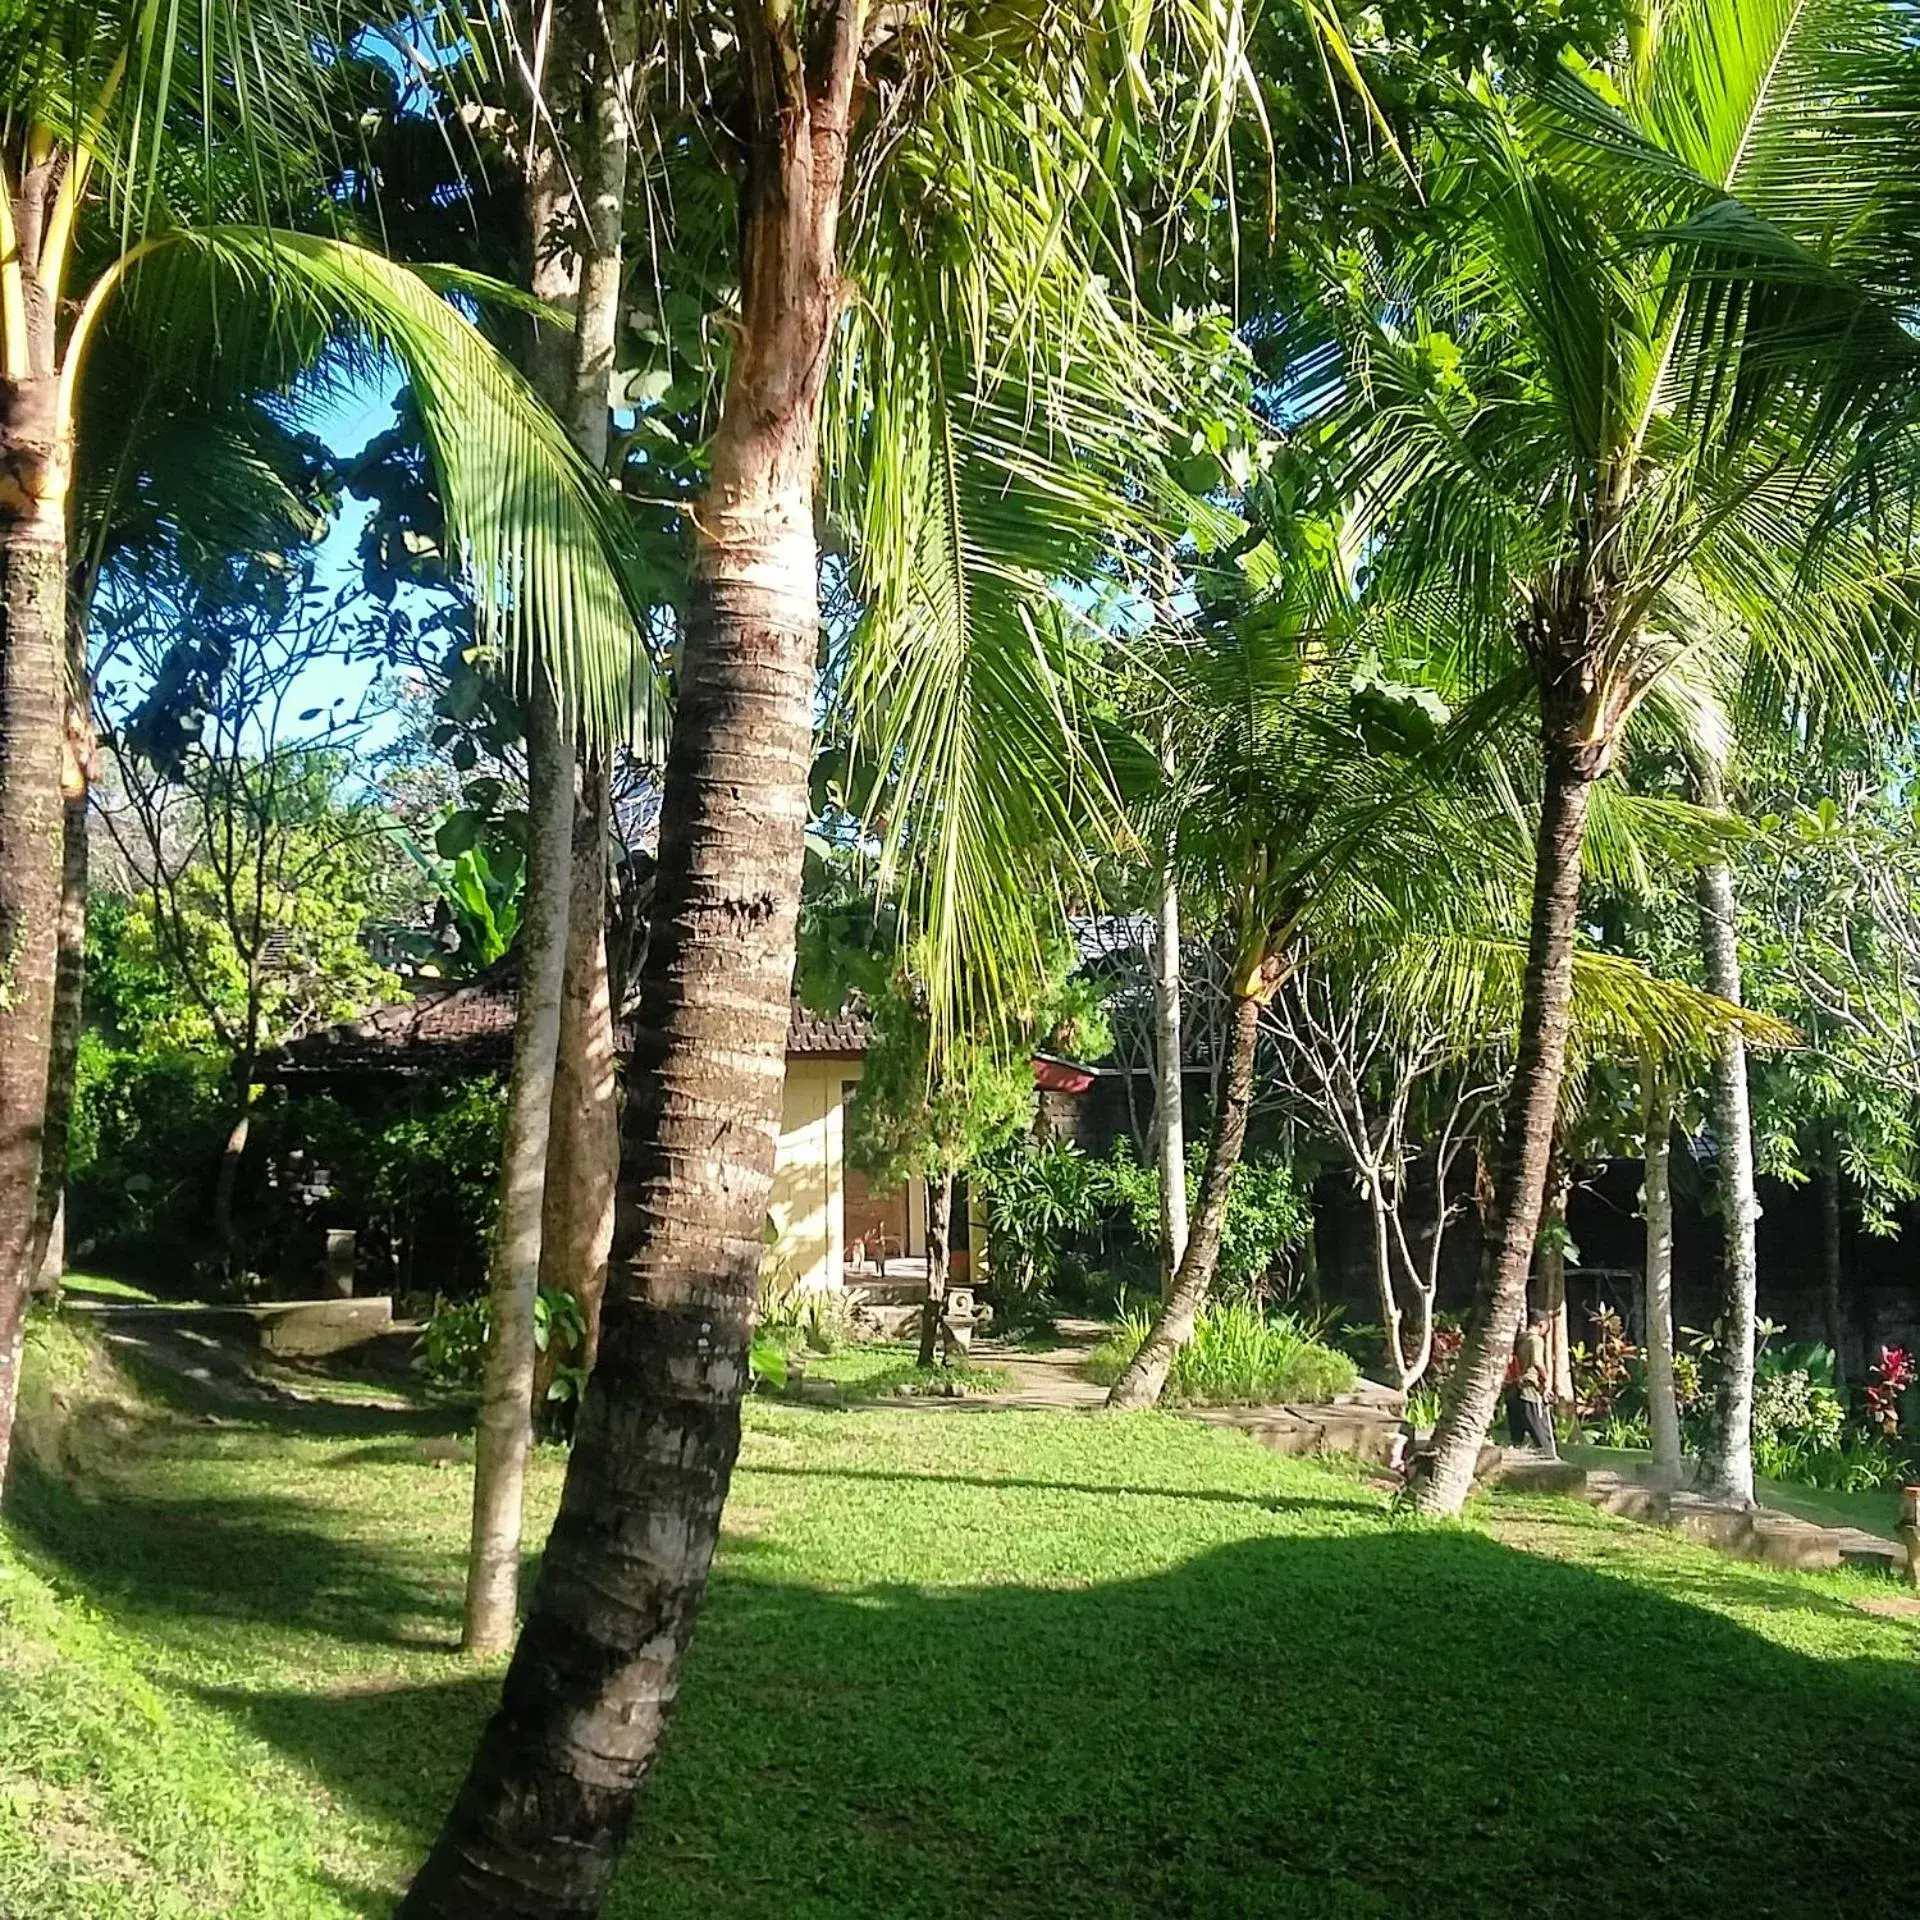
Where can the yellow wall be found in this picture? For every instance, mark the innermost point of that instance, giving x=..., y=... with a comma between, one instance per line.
x=809, y=1247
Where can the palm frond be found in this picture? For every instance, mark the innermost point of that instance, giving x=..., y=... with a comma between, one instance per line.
x=538, y=538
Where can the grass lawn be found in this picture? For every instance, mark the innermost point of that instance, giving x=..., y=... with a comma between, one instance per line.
x=1000, y=1663
x=1875, y=1511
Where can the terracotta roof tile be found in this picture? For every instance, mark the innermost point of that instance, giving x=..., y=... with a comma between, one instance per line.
x=469, y=1029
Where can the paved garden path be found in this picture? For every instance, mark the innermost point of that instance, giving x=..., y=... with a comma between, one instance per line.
x=1046, y=1381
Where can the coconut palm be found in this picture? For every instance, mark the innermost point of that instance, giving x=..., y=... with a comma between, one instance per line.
x=1545, y=438
x=1320, y=807
x=933, y=272
x=163, y=179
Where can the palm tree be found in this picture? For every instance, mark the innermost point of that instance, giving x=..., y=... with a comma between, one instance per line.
x=146, y=153
x=559, y=1152
x=1545, y=435
x=933, y=272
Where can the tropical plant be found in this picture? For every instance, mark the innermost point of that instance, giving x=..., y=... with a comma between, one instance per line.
x=163, y=184
x=1237, y=1353
x=1547, y=441
x=989, y=366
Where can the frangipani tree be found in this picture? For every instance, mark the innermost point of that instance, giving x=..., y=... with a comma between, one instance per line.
x=161, y=177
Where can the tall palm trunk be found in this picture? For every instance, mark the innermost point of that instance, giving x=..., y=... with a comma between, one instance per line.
x=1145, y=1377
x=1443, y=1475
x=557, y=1163
x=504, y=1436
x=1663, y=1411
x=1831, y=1267
x=1169, y=1123
x=35, y=461
x=583, y=1150
x=939, y=1221
x=541, y=1818
x=1552, y=1263
x=46, y=1252
x=1726, y=1464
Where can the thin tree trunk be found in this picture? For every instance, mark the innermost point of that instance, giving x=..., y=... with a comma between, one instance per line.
x=1663, y=1411
x=33, y=625
x=1443, y=1475
x=46, y=1254
x=1169, y=1122
x=939, y=1219
x=583, y=1150
x=504, y=1436
x=1727, y=1458
x=544, y=1811
x=226, y=1176
x=1145, y=1377
x=1831, y=1267
x=1552, y=1261
x=1390, y=1316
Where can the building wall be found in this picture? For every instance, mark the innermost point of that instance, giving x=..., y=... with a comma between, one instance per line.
x=808, y=1202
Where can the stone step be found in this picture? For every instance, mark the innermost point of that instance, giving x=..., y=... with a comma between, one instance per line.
x=1372, y=1434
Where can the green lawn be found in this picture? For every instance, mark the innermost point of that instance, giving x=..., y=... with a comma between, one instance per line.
x=999, y=1663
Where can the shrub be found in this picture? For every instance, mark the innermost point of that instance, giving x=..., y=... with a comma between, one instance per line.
x=1789, y=1407
x=1237, y=1353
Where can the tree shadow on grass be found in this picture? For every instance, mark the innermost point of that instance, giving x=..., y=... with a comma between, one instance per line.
x=180, y=1562
x=1411, y=1724
x=1214, y=1496
x=209, y=1379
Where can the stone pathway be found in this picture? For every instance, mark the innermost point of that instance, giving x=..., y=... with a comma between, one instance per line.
x=1760, y=1534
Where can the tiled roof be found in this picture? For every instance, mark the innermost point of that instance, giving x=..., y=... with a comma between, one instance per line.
x=841, y=1035
x=469, y=1029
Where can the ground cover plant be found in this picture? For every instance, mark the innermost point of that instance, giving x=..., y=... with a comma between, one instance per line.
x=935, y=1682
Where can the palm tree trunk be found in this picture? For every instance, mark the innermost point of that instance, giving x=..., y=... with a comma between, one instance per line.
x=33, y=625
x=583, y=1148
x=1145, y=1377
x=939, y=1217
x=1444, y=1474
x=1831, y=1267
x=545, y=1809
x=1726, y=1465
x=504, y=1436
x=1552, y=1261
x=1169, y=1123
x=1663, y=1411
x=46, y=1253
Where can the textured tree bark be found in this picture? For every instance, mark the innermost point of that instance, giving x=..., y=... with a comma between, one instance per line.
x=1726, y=1465
x=1442, y=1477
x=1831, y=1268
x=1146, y=1375
x=46, y=1252
x=1169, y=1123
x=504, y=1436
x=1663, y=1410
x=33, y=625
x=939, y=1218
x=543, y=1813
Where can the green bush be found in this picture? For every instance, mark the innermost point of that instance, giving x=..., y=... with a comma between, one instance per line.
x=148, y=1128
x=1237, y=1353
